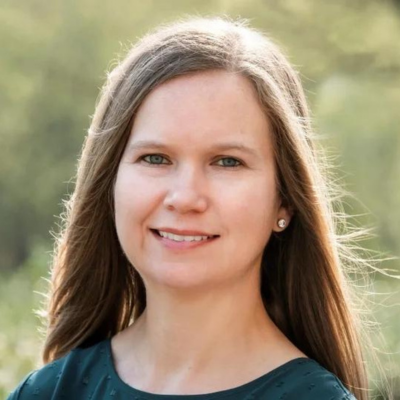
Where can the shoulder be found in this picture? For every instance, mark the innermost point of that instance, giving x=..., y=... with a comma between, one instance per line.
x=307, y=379
x=54, y=378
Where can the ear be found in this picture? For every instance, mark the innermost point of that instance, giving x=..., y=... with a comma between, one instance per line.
x=285, y=213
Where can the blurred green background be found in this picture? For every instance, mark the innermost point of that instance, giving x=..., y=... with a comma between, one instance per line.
x=54, y=58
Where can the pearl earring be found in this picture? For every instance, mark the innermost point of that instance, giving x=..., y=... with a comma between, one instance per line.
x=281, y=223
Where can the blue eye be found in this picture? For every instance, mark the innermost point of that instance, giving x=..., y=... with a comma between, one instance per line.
x=156, y=159
x=231, y=164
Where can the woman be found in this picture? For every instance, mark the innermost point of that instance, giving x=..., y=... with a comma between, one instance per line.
x=199, y=257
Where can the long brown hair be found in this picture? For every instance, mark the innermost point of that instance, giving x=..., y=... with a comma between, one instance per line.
x=95, y=292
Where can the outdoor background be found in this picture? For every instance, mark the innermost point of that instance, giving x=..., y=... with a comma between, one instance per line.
x=54, y=59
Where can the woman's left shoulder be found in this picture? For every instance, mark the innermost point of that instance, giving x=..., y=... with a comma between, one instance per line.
x=309, y=380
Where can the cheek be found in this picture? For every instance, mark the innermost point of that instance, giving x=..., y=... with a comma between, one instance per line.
x=133, y=200
x=252, y=210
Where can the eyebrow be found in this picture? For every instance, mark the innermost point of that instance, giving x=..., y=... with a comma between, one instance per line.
x=147, y=144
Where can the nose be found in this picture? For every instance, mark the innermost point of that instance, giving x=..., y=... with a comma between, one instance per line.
x=186, y=192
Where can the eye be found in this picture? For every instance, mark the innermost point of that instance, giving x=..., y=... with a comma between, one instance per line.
x=232, y=162
x=155, y=159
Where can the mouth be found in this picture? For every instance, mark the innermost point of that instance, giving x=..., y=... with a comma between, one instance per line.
x=182, y=244
x=157, y=232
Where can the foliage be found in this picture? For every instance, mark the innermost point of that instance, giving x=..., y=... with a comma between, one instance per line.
x=21, y=295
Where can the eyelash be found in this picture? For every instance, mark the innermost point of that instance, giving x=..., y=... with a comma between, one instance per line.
x=222, y=158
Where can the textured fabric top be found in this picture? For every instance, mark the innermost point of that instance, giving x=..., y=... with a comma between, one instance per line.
x=90, y=374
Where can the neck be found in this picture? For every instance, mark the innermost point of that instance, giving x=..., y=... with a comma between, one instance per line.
x=189, y=335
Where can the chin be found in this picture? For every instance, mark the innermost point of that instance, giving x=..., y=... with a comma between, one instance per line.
x=181, y=278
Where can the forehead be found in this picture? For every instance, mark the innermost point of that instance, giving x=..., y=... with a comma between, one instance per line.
x=202, y=109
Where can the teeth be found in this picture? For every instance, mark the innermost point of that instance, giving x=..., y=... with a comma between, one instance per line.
x=179, y=238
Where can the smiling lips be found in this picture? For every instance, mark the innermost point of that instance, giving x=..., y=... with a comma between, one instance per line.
x=174, y=241
x=184, y=232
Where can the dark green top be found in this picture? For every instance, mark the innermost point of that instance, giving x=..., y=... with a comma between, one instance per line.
x=90, y=374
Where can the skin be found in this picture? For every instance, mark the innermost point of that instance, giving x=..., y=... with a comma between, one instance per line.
x=205, y=328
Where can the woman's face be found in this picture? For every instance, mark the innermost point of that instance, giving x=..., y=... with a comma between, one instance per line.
x=209, y=168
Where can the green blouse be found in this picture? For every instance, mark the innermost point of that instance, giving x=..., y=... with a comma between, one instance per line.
x=89, y=373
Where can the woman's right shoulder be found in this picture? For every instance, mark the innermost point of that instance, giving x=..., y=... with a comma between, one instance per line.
x=48, y=380
x=41, y=382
